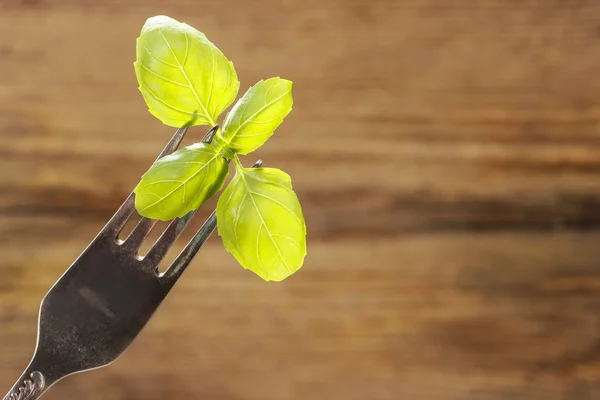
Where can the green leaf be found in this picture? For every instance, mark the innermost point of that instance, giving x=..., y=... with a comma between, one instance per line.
x=261, y=223
x=181, y=182
x=256, y=115
x=184, y=78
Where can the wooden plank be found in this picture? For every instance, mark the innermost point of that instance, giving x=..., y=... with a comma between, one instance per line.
x=499, y=307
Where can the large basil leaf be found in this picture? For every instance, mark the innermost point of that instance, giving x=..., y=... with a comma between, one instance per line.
x=181, y=182
x=256, y=115
x=261, y=223
x=184, y=78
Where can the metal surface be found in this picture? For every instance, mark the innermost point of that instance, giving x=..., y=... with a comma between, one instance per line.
x=98, y=307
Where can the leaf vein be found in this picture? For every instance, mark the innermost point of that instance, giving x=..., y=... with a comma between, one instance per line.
x=288, y=238
x=253, y=135
x=255, y=177
x=212, y=78
x=266, y=227
x=235, y=224
x=187, y=48
x=256, y=113
x=223, y=92
x=258, y=258
x=160, y=76
x=210, y=120
x=267, y=91
x=157, y=58
x=183, y=183
x=166, y=104
x=159, y=182
x=278, y=202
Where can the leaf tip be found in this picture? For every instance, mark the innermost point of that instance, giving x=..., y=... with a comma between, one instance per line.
x=157, y=22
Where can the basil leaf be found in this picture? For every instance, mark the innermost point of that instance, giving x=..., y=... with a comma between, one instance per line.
x=261, y=223
x=256, y=115
x=184, y=78
x=181, y=182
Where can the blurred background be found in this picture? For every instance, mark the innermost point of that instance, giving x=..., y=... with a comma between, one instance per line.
x=447, y=156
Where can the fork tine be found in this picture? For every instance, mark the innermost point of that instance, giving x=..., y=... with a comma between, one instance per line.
x=191, y=249
x=139, y=233
x=184, y=258
x=174, y=142
x=170, y=235
x=166, y=240
x=210, y=134
x=118, y=221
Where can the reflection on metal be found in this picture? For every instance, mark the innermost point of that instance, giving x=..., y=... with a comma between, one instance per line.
x=30, y=389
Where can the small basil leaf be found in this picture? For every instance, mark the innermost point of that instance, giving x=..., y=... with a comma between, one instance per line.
x=181, y=182
x=256, y=115
x=184, y=78
x=261, y=223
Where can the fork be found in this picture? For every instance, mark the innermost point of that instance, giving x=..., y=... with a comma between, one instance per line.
x=97, y=308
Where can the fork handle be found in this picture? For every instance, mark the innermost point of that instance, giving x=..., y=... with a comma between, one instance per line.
x=30, y=386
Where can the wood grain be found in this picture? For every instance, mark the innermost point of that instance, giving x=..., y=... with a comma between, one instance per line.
x=447, y=155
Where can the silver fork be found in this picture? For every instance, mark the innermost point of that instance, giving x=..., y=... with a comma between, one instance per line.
x=98, y=307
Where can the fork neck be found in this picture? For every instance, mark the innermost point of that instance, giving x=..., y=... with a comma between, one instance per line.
x=31, y=385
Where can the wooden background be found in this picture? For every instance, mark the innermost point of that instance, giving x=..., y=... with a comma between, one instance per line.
x=447, y=155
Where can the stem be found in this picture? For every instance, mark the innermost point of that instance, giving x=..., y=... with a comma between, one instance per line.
x=219, y=142
x=238, y=165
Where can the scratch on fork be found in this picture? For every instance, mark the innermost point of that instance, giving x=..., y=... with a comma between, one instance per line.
x=95, y=301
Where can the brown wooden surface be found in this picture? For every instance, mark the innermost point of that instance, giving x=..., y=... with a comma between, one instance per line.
x=447, y=154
